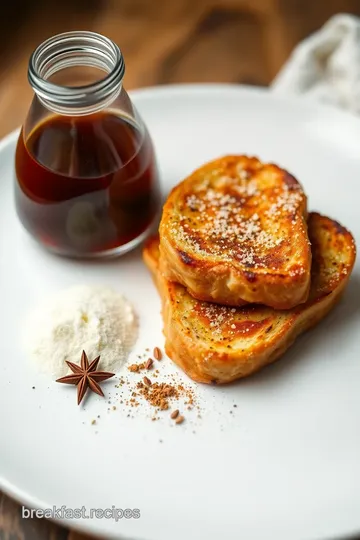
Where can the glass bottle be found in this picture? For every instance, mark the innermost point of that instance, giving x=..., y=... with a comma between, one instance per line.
x=86, y=175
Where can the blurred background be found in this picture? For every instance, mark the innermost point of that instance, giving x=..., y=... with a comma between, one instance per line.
x=163, y=41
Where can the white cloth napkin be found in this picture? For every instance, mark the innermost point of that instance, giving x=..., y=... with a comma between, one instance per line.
x=326, y=65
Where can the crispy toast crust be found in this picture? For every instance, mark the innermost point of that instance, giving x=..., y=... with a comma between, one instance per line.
x=234, y=232
x=218, y=344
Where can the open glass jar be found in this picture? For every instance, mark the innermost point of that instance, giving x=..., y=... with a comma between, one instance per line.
x=86, y=174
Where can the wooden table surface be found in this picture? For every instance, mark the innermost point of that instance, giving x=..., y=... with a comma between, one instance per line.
x=238, y=41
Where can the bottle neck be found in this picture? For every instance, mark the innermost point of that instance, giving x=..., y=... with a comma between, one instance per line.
x=64, y=57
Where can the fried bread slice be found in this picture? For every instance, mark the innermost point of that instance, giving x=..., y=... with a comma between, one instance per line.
x=234, y=232
x=218, y=344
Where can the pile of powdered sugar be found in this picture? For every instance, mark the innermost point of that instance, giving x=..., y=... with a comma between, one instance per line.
x=96, y=319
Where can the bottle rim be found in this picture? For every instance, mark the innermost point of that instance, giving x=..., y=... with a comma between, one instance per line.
x=76, y=48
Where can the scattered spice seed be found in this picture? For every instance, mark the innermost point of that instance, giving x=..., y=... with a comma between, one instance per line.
x=93, y=422
x=179, y=420
x=147, y=381
x=149, y=363
x=134, y=368
x=33, y=387
x=157, y=353
x=174, y=414
x=114, y=408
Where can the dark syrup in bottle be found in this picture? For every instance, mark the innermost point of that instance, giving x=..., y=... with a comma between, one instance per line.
x=86, y=184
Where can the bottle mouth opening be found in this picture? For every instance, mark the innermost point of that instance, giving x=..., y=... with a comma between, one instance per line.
x=71, y=50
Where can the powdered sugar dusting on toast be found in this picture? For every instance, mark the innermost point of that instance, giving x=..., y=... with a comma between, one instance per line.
x=226, y=323
x=233, y=216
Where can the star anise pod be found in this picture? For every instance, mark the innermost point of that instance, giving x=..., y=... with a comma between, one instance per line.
x=85, y=376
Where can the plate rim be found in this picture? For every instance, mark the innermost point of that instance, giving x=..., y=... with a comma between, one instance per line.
x=172, y=90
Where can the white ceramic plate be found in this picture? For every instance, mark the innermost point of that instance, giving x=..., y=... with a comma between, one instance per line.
x=285, y=463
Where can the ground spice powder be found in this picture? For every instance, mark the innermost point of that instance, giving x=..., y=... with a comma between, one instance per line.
x=158, y=394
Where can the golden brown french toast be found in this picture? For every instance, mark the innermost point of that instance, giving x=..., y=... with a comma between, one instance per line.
x=234, y=232
x=218, y=344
